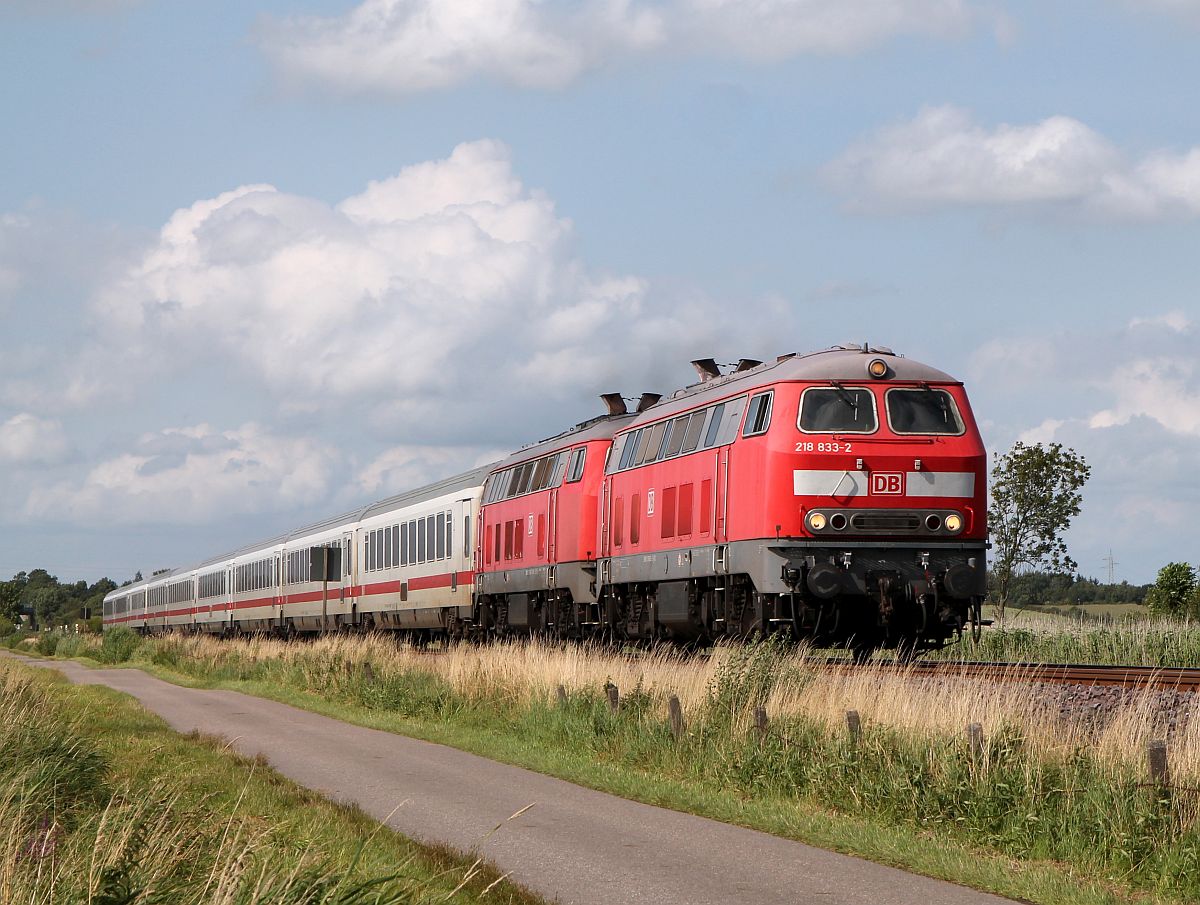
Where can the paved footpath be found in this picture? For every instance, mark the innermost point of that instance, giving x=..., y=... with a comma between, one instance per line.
x=574, y=845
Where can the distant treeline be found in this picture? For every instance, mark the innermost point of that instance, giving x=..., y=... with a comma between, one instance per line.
x=49, y=602
x=1052, y=589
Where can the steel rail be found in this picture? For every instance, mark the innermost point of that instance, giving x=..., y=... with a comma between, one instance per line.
x=1158, y=677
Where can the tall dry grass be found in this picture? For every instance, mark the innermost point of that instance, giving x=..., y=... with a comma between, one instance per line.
x=519, y=674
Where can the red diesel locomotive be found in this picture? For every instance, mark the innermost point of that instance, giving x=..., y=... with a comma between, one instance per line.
x=838, y=496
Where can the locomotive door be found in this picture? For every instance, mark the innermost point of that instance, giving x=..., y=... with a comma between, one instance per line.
x=552, y=528
x=605, y=516
x=721, y=495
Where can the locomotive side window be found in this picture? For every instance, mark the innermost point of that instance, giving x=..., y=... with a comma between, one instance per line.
x=654, y=443
x=758, y=419
x=676, y=437
x=578, y=459
x=692, y=438
x=922, y=411
x=714, y=425
x=837, y=409
x=644, y=445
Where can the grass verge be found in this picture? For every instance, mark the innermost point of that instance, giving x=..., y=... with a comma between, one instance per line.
x=1045, y=818
x=101, y=802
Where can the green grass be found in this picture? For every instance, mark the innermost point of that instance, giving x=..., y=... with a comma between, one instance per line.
x=1040, y=637
x=1069, y=831
x=101, y=802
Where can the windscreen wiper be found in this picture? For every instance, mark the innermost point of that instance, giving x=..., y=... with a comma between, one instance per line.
x=941, y=400
x=846, y=397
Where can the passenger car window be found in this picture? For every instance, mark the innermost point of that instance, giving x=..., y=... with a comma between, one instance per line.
x=922, y=411
x=837, y=409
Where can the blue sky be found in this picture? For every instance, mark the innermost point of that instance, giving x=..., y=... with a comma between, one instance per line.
x=261, y=260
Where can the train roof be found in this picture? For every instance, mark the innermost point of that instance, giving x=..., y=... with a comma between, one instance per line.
x=841, y=363
x=473, y=478
x=603, y=427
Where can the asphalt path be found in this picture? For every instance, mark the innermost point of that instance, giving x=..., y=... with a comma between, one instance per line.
x=569, y=844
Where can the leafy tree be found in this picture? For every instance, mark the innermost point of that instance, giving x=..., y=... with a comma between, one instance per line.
x=1174, y=589
x=1035, y=494
x=47, y=603
x=10, y=600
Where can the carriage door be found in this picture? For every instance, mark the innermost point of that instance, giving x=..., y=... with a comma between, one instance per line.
x=346, y=585
x=277, y=590
x=229, y=589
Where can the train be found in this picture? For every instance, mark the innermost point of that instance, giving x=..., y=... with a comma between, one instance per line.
x=837, y=496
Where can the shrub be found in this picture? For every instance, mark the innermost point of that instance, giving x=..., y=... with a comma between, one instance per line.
x=6, y=627
x=47, y=644
x=118, y=645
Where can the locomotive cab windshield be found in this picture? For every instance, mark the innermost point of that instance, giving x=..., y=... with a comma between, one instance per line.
x=837, y=409
x=922, y=410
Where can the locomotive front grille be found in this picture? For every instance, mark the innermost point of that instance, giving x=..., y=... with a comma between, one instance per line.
x=878, y=521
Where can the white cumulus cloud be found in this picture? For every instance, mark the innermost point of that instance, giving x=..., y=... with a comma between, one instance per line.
x=398, y=292
x=406, y=46
x=943, y=157
x=26, y=439
x=192, y=474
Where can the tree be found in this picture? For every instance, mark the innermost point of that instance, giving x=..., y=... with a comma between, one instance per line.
x=1035, y=494
x=1173, y=589
x=10, y=600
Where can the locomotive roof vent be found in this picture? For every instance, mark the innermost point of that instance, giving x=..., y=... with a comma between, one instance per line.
x=647, y=400
x=865, y=348
x=615, y=403
x=745, y=364
x=707, y=369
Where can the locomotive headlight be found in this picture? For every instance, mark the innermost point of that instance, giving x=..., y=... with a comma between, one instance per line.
x=877, y=367
x=954, y=523
x=816, y=521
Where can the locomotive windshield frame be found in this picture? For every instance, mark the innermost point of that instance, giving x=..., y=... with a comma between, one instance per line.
x=842, y=394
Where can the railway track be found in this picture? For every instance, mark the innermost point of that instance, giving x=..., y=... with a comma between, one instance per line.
x=1174, y=678
x=1159, y=677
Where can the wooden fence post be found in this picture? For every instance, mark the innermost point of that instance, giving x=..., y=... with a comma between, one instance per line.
x=760, y=723
x=562, y=696
x=975, y=741
x=675, y=709
x=854, y=727
x=368, y=671
x=1156, y=758
x=614, y=697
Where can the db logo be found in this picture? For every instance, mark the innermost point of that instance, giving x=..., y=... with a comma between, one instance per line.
x=887, y=482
